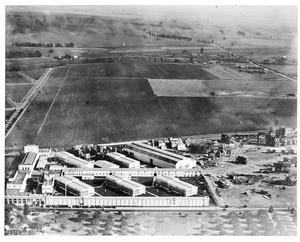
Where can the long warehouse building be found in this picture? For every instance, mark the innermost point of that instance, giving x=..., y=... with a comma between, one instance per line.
x=122, y=160
x=72, y=160
x=158, y=157
x=126, y=185
x=176, y=185
x=74, y=186
x=105, y=164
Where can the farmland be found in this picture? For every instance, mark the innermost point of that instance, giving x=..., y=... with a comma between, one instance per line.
x=198, y=88
x=141, y=70
x=108, y=109
x=18, y=91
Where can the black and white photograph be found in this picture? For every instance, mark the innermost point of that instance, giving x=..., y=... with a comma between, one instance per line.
x=153, y=120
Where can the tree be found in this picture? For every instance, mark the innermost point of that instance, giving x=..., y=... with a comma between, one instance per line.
x=201, y=50
x=293, y=210
x=271, y=209
x=26, y=210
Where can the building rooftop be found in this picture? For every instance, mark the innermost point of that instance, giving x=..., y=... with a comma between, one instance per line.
x=105, y=164
x=122, y=158
x=73, y=182
x=173, y=181
x=29, y=158
x=156, y=152
x=20, y=178
x=126, y=182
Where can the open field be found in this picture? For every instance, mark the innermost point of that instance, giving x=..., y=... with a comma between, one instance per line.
x=18, y=91
x=201, y=88
x=288, y=70
x=12, y=77
x=140, y=70
x=36, y=73
x=116, y=109
x=224, y=72
x=37, y=110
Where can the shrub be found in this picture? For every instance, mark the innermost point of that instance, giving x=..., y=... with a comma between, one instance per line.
x=271, y=209
x=223, y=232
x=262, y=213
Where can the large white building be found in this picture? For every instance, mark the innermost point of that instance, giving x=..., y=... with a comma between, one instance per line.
x=176, y=185
x=74, y=186
x=72, y=160
x=122, y=160
x=158, y=157
x=126, y=185
x=18, y=183
x=29, y=161
x=105, y=164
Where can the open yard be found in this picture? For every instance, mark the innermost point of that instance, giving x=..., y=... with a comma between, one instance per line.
x=100, y=110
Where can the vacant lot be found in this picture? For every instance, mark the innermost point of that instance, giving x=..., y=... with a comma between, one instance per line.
x=36, y=73
x=13, y=77
x=224, y=72
x=98, y=110
x=200, y=88
x=288, y=70
x=25, y=131
x=18, y=91
x=141, y=70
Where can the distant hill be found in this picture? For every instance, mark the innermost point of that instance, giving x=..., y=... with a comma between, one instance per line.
x=132, y=27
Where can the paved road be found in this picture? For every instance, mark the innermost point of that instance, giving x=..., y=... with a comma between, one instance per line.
x=257, y=65
x=27, y=77
x=21, y=107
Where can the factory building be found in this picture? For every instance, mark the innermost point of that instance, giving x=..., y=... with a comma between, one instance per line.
x=176, y=185
x=158, y=157
x=74, y=186
x=31, y=148
x=28, y=162
x=122, y=160
x=72, y=160
x=126, y=185
x=18, y=182
x=105, y=164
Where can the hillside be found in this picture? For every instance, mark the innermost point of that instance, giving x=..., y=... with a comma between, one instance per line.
x=132, y=27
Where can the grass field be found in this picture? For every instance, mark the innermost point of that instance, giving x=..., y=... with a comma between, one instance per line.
x=288, y=70
x=26, y=129
x=141, y=70
x=116, y=109
x=198, y=88
x=224, y=72
x=13, y=77
x=18, y=91
x=35, y=73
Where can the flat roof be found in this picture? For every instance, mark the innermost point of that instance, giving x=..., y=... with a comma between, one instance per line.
x=29, y=158
x=122, y=158
x=20, y=178
x=133, y=169
x=75, y=160
x=173, y=181
x=126, y=182
x=73, y=182
x=105, y=164
x=156, y=152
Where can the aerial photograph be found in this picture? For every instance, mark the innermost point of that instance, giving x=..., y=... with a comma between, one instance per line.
x=150, y=120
